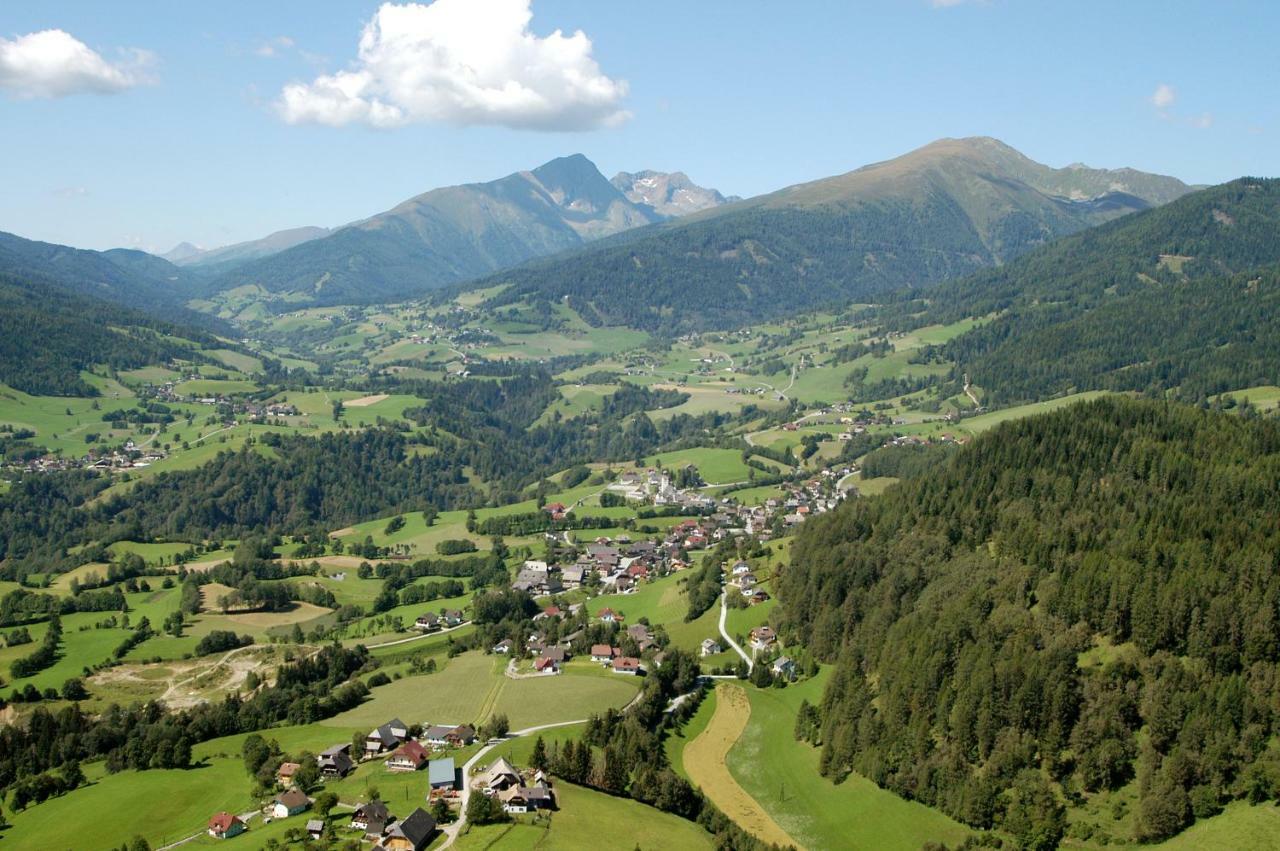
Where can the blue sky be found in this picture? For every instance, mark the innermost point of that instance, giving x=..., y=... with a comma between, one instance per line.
x=173, y=123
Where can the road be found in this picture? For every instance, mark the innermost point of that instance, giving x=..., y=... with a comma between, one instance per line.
x=416, y=637
x=724, y=633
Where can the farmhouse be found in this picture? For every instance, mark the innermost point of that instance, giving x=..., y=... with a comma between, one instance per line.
x=500, y=776
x=626, y=665
x=784, y=667
x=504, y=646
x=711, y=647
x=225, y=825
x=290, y=803
x=603, y=653
x=335, y=761
x=372, y=818
x=428, y=622
x=408, y=757
x=412, y=834
x=285, y=773
x=386, y=737
x=609, y=616
x=762, y=637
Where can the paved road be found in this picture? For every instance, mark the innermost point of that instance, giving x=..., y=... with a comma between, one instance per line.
x=724, y=633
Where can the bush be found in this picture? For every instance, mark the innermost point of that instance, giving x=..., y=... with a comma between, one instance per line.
x=220, y=641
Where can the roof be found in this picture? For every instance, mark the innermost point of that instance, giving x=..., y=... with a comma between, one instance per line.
x=315, y=825
x=626, y=663
x=499, y=769
x=412, y=750
x=222, y=822
x=373, y=811
x=293, y=798
x=416, y=828
x=441, y=771
x=437, y=732
x=601, y=650
x=287, y=769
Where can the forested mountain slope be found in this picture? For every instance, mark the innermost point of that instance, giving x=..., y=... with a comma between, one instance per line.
x=940, y=212
x=48, y=335
x=1185, y=298
x=1089, y=596
x=449, y=235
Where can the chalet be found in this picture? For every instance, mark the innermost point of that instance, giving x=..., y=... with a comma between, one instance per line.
x=523, y=799
x=225, y=825
x=603, y=653
x=412, y=834
x=762, y=637
x=546, y=665
x=640, y=632
x=285, y=773
x=442, y=775
x=428, y=622
x=609, y=616
x=335, y=761
x=372, y=818
x=626, y=665
x=758, y=596
x=453, y=617
x=410, y=756
x=504, y=646
x=290, y=803
x=315, y=828
x=573, y=576
x=711, y=647
x=460, y=736
x=624, y=585
x=386, y=737
x=548, y=612
x=741, y=567
x=784, y=667
x=500, y=776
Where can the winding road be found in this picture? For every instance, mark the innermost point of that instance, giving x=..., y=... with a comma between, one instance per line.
x=724, y=633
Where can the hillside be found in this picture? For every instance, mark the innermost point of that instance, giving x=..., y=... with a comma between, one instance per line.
x=1184, y=297
x=228, y=256
x=49, y=334
x=940, y=212
x=121, y=276
x=1085, y=597
x=449, y=235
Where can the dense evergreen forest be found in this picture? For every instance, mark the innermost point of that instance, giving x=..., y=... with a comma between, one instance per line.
x=1073, y=602
x=48, y=335
x=1179, y=298
x=762, y=263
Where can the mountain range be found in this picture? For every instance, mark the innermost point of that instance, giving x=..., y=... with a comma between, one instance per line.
x=670, y=194
x=940, y=212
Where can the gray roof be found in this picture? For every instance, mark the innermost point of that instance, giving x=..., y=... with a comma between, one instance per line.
x=441, y=771
x=416, y=828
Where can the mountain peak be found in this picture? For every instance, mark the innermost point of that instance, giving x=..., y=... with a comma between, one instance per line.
x=669, y=193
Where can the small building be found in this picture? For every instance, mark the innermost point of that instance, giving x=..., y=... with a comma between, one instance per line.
x=225, y=825
x=504, y=646
x=603, y=653
x=408, y=757
x=387, y=737
x=460, y=736
x=315, y=827
x=609, y=616
x=442, y=775
x=286, y=772
x=762, y=637
x=626, y=665
x=711, y=647
x=290, y=803
x=546, y=665
x=498, y=777
x=335, y=761
x=784, y=667
x=428, y=622
x=372, y=818
x=412, y=834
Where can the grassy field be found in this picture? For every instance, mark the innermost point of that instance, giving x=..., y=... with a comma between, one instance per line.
x=705, y=764
x=471, y=688
x=818, y=813
x=982, y=422
x=590, y=819
x=717, y=466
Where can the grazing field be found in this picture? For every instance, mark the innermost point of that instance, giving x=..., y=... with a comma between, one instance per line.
x=812, y=809
x=471, y=688
x=590, y=819
x=677, y=740
x=874, y=486
x=705, y=763
x=982, y=422
x=1238, y=827
x=159, y=805
x=717, y=466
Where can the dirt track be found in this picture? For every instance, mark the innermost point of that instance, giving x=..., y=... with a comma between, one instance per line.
x=704, y=759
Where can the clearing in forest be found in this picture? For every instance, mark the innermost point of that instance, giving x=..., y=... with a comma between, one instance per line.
x=704, y=760
x=365, y=401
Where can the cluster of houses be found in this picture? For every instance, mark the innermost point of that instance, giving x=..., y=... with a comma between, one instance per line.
x=126, y=457
x=519, y=793
x=655, y=487
x=404, y=753
x=432, y=622
x=745, y=582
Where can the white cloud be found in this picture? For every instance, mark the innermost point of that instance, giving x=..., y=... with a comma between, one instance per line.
x=1203, y=121
x=54, y=63
x=71, y=192
x=462, y=62
x=1164, y=96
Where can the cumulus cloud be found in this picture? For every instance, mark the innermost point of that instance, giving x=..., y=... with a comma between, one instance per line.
x=54, y=63
x=462, y=62
x=1164, y=96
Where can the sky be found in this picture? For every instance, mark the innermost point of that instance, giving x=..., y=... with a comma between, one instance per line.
x=144, y=124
